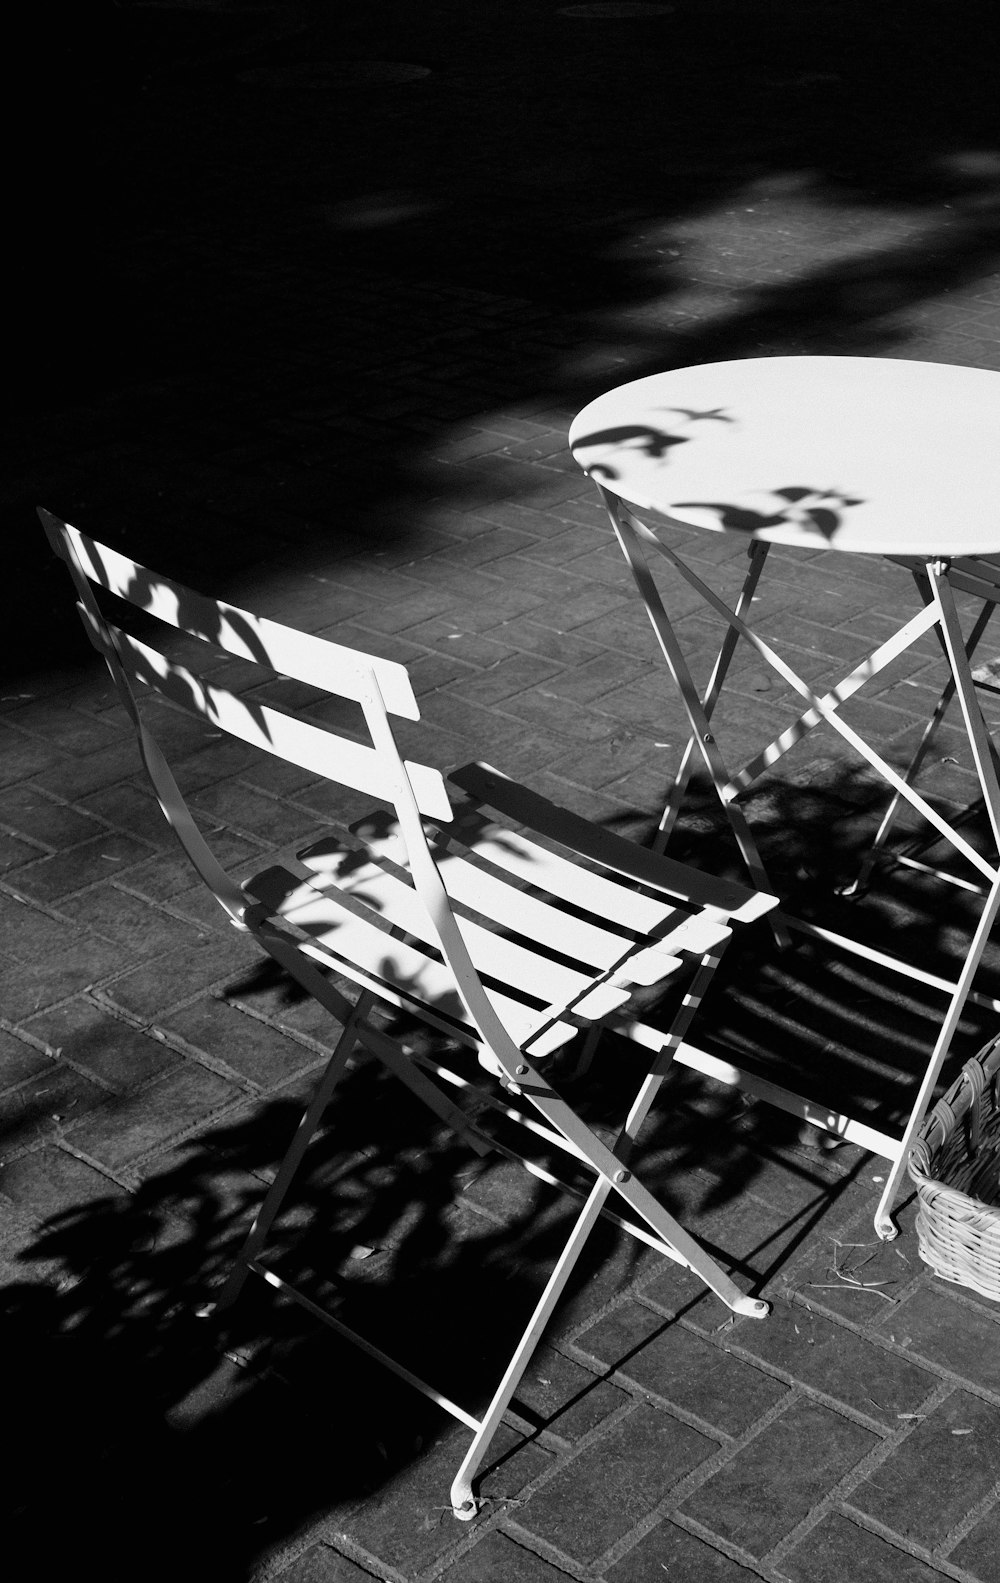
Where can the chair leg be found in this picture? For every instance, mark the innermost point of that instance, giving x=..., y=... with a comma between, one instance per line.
x=293, y=1158
x=464, y=1502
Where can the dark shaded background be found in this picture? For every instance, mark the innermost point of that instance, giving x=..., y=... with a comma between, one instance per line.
x=220, y=213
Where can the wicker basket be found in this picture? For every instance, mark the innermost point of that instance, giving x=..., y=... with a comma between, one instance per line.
x=956, y=1166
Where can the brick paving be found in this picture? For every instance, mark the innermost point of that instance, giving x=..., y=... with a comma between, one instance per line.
x=309, y=331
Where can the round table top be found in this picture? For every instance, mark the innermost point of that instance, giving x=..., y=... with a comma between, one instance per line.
x=866, y=454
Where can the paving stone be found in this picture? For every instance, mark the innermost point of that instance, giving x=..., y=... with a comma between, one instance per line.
x=135, y=924
x=49, y=1181
x=22, y=756
x=644, y=705
x=935, y=1326
x=594, y=678
x=274, y=776
x=504, y=1190
x=616, y=1482
x=451, y=636
x=408, y=1522
x=838, y=1548
x=497, y=604
x=747, y=1238
x=770, y=1485
x=321, y=1564
x=420, y=606
x=14, y=852
x=556, y=585
x=269, y=993
x=671, y=1552
x=565, y=1397
x=131, y=1127
x=598, y=763
x=235, y=805
x=498, y=1559
x=80, y=774
x=130, y=809
x=68, y=729
x=171, y=978
x=44, y=959
x=165, y=876
x=940, y=1455
x=47, y=1104
x=505, y=679
x=686, y=1370
x=535, y=638
x=979, y=1551
x=576, y=722
x=18, y=1060
x=606, y=564
x=834, y=1360
x=248, y=1046
x=218, y=762
x=89, y=863
x=114, y=1052
x=178, y=733
x=432, y=671
x=834, y=1267
x=493, y=544
x=42, y=819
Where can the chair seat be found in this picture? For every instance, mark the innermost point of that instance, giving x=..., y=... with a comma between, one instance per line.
x=551, y=965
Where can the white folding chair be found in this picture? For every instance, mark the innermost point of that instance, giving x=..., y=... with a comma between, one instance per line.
x=510, y=944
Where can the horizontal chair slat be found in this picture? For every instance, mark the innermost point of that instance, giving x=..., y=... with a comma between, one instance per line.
x=311, y=747
x=316, y=661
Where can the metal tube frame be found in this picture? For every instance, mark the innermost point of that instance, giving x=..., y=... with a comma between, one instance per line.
x=939, y=614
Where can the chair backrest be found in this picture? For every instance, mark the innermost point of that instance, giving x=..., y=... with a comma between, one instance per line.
x=381, y=687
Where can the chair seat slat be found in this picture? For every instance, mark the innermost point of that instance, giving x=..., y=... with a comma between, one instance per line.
x=492, y=895
x=498, y=900
x=346, y=938
x=595, y=893
x=531, y=972
x=613, y=852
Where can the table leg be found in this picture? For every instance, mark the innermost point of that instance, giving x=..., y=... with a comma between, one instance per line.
x=697, y=713
x=757, y=553
x=860, y=883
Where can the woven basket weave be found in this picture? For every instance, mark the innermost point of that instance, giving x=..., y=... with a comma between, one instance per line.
x=956, y=1166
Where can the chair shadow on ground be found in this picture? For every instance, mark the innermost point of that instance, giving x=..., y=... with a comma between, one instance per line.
x=225, y=1443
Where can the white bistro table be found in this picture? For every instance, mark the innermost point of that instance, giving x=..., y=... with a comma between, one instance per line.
x=864, y=456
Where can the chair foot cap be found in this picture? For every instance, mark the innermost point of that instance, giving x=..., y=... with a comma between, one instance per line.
x=466, y=1510
x=752, y=1307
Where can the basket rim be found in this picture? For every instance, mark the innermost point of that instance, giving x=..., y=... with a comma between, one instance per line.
x=950, y=1110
